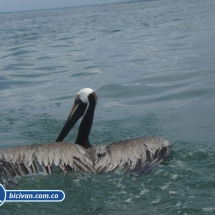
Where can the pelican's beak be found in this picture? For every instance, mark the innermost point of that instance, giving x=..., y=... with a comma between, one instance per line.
x=77, y=111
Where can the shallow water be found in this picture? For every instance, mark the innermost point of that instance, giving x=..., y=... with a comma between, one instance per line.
x=152, y=66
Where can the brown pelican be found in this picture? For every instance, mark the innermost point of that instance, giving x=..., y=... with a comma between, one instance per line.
x=137, y=155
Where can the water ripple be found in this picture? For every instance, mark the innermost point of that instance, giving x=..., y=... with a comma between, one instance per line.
x=152, y=66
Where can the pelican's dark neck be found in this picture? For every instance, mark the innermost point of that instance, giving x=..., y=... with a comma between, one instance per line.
x=86, y=124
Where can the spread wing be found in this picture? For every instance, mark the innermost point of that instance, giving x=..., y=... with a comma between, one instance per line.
x=22, y=160
x=138, y=155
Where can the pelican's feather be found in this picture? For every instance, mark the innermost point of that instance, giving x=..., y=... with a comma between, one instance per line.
x=23, y=158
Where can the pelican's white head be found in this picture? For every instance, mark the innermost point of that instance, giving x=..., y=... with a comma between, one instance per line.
x=83, y=94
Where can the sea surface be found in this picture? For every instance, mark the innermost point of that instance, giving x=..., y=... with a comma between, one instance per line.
x=152, y=65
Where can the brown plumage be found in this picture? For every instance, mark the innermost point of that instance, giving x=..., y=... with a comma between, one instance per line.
x=22, y=160
x=67, y=156
x=137, y=155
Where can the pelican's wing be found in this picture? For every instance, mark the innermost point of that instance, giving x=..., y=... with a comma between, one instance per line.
x=22, y=160
x=139, y=155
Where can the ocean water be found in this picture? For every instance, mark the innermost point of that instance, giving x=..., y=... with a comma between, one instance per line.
x=152, y=64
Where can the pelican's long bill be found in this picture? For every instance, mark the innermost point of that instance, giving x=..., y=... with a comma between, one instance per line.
x=76, y=113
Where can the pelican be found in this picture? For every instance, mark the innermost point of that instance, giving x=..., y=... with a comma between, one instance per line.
x=138, y=155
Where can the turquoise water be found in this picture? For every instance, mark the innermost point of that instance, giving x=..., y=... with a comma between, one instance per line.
x=152, y=66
